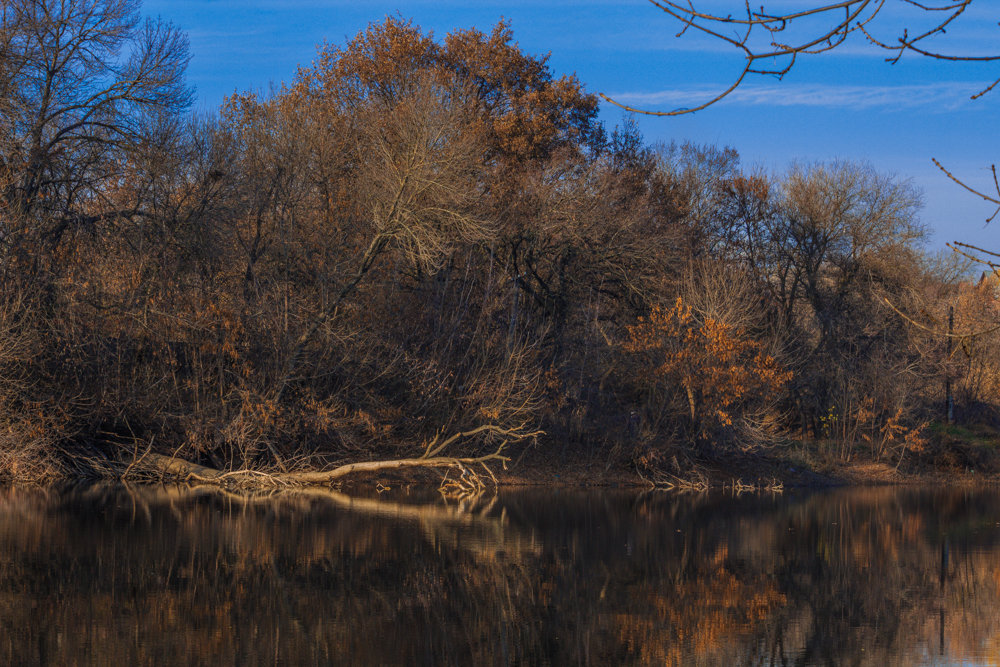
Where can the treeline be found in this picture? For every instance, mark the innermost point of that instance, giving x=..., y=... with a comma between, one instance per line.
x=419, y=237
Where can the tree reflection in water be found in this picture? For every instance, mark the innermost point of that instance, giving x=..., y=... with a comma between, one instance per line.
x=110, y=575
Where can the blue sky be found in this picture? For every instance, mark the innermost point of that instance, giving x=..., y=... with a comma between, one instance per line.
x=846, y=105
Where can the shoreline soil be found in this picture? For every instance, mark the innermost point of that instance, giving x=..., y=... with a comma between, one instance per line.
x=954, y=456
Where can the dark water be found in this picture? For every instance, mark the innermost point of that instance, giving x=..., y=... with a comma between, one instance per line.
x=112, y=576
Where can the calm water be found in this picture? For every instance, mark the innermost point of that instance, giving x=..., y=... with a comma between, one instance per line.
x=116, y=576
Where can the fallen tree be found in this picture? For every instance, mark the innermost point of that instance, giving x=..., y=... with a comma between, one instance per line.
x=473, y=471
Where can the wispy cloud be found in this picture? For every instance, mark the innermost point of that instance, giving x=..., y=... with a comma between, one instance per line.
x=943, y=96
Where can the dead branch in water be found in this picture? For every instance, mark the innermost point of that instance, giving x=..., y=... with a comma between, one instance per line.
x=470, y=478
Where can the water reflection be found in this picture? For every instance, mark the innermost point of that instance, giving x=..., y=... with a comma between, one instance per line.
x=110, y=575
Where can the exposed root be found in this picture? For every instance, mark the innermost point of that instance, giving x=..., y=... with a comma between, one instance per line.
x=738, y=486
x=666, y=481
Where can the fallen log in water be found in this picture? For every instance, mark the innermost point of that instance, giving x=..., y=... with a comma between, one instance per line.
x=472, y=470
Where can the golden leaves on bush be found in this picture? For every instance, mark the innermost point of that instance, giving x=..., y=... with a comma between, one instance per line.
x=717, y=365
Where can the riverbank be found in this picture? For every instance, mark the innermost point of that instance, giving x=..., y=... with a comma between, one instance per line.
x=749, y=473
x=964, y=455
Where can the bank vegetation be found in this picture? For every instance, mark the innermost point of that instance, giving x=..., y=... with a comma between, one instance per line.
x=431, y=250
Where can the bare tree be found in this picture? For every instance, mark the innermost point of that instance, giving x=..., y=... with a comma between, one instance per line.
x=80, y=81
x=416, y=189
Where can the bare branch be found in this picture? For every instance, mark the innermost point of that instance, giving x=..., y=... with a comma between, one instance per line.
x=836, y=21
x=990, y=198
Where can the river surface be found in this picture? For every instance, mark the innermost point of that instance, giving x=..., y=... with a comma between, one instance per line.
x=156, y=576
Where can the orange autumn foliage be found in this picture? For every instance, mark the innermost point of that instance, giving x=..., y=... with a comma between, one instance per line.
x=718, y=367
x=526, y=111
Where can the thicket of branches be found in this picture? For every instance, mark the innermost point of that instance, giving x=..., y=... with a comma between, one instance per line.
x=421, y=238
